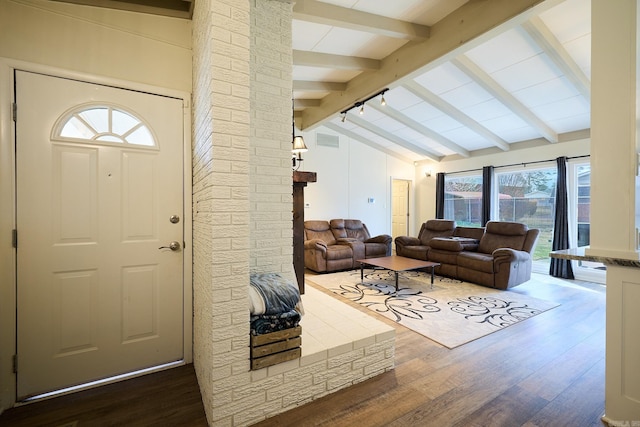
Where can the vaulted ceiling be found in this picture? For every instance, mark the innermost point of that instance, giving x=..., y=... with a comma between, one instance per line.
x=460, y=77
x=463, y=77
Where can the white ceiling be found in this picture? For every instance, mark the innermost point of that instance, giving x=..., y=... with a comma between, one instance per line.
x=463, y=77
x=527, y=79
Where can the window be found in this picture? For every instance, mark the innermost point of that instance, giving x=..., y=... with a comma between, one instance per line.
x=463, y=200
x=103, y=124
x=582, y=200
x=528, y=196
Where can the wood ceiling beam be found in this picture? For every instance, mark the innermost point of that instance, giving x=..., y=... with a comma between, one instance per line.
x=448, y=109
x=313, y=86
x=352, y=135
x=328, y=14
x=447, y=38
x=538, y=31
x=306, y=103
x=172, y=8
x=393, y=138
x=418, y=127
x=487, y=82
x=335, y=62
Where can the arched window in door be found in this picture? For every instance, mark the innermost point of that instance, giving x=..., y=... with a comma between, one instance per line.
x=103, y=124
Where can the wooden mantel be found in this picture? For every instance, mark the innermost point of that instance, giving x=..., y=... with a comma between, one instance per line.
x=300, y=180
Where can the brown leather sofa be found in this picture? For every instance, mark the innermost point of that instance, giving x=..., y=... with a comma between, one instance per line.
x=497, y=256
x=418, y=247
x=337, y=244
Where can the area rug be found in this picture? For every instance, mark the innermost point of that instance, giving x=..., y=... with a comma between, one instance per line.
x=451, y=313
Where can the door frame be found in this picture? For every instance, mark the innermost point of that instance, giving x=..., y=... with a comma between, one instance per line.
x=8, y=279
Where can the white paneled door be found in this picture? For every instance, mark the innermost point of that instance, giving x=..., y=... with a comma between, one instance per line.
x=99, y=175
x=400, y=208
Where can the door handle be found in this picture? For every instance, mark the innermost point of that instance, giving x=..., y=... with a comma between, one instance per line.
x=174, y=246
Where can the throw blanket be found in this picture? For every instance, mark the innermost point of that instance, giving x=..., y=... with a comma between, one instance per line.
x=266, y=323
x=271, y=293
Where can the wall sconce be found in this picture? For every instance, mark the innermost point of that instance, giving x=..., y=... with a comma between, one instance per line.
x=297, y=142
x=298, y=148
x=427, y=173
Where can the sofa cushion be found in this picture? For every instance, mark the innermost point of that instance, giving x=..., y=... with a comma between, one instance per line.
x=319, y=230
x=436, y=228
x=503, y=235
x=415, y=252
x=339, y=252
x=352, y=228
x=476, y=261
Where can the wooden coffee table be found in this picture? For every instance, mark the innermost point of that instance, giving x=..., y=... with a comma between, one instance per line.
x=396, y=264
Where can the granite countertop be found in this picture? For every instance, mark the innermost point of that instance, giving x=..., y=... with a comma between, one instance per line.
x=579, y=254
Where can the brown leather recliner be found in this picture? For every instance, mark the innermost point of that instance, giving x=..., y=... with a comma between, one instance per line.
x=418, y=247
x=503, y=258
x=322, y=252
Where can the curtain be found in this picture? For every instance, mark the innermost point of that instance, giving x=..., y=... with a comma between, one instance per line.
x=561, y=267
x=440, y=195
x=487, y=185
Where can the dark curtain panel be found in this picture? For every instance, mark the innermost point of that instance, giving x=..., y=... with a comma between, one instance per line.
x=487, y=185
x=440, y=195
x=561, y=267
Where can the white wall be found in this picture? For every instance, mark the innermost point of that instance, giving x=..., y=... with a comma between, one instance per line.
x=149, y=49
x=347, y=177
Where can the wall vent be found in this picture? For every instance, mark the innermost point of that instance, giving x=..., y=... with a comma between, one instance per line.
x=332, y=141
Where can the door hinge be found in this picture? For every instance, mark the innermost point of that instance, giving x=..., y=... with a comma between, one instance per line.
x=14, y=112
x=15, y=363
x=14, y=238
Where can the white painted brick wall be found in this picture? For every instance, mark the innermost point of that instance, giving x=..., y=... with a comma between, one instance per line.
x=242, y=213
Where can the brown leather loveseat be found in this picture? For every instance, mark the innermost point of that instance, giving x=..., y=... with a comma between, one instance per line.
x=337, y=244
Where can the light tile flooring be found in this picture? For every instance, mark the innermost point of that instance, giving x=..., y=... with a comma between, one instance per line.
x=331, y=327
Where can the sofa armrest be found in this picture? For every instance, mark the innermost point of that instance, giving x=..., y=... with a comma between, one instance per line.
x=383, y=238
x=315, y=244
x=407, y=241
x=356, y=246
x=501, y=255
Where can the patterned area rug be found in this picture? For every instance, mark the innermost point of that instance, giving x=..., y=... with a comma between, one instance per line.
x=452, y=313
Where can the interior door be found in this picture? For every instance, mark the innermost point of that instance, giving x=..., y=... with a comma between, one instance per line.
x=400, y=208
x=99, y=201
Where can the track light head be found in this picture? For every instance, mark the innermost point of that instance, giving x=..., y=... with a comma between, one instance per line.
x=383, y=102
x=361, y=109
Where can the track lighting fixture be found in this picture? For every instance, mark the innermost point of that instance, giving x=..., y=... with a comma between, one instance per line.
x=360, y=104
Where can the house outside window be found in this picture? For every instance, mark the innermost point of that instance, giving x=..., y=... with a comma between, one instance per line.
x=527, y=196
x=463, y=200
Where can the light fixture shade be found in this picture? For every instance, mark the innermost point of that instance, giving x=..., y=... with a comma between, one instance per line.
x=298, y=145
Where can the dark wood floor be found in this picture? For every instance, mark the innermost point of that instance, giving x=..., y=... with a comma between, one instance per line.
x=166, y=398
x=545, y=371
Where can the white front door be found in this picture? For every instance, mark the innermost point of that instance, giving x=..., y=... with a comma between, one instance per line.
x=99, y=199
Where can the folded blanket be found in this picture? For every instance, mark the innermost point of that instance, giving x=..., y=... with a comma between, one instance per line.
x=271, y=293
x=267, y=323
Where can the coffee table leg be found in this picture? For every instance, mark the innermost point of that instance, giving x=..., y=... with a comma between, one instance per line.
x=396, y=281
x=361, y=273
x=432, y=270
